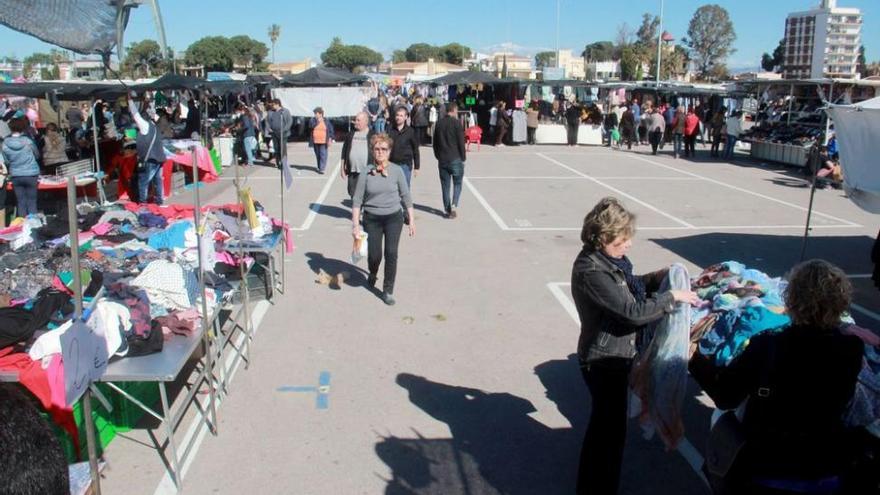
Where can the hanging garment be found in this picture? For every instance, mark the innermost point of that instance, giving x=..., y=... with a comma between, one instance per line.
x=659, y=376
x=519, y=134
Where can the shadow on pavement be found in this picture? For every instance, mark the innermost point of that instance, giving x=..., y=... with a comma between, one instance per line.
x=330, y=211
x=773, y=254
x=498, y=447
x=428, y=209
x=357, y=277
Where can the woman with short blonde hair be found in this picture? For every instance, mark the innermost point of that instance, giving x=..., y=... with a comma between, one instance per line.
x=818, y=293
x=613, y=305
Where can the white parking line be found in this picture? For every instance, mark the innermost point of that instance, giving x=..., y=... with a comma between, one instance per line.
x=571, y=177
x=492, y=213
x=199, y=427
x=746, y=191
x=713, y=228
x=618, y=191
x=685, y=447
x=316, y=206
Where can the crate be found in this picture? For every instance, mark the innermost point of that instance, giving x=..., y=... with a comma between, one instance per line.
x=127, y=414
x=103, y=427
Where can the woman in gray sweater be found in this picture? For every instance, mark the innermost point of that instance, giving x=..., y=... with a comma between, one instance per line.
x=379, y=193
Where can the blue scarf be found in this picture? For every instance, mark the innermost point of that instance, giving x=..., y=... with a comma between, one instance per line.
x=635, y=284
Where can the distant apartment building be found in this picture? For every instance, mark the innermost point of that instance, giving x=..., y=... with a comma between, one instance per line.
x=822, y=42
x=286, y=68
x=429, y=68
x=518, y=66
x=574, y=65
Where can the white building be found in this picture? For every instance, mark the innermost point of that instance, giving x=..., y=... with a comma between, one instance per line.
x=822, y=43
x=574, y=66
x=607, y=70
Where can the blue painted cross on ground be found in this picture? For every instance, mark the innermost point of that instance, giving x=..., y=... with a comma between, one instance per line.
x=322, y=390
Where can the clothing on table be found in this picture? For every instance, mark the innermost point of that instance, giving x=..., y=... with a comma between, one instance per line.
x=138, y=304
x=168, y=284
x=172, y=237
x=179, y=322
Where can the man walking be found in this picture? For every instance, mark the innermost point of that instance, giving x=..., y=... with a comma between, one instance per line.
x=356, y=151
x=279, y=120
x=450, y=153
x=734, y=128
x=405, y=150
x=656, y=128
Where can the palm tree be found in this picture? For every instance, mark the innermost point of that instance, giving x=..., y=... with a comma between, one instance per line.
x=274, y=34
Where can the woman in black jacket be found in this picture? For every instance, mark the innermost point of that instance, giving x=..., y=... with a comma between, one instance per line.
x=503, y=123
x=572, y=122
x=613, y=305
x=796, y=386
x=628, y=127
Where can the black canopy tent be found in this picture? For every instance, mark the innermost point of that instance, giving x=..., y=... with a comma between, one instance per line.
x=467, y=77
x=322, y=76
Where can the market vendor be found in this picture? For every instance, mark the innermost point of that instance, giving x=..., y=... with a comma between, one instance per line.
x=20, y=155
x=151, y=156
x=828, y=172
x=790, y=390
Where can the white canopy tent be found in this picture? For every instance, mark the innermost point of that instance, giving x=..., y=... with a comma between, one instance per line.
x=343, y=101
x=858, y=135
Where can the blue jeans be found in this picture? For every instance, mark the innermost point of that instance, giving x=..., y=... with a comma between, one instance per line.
x=250, y=144
x=729, y=146
x=451, y=172
x=676, y=147
x=407, y=173
x=150, y=173
x=379, y=125
x=321, y=156
x=25, y=195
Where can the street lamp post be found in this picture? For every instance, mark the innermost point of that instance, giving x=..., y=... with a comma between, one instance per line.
x=557, y=33
x=659, y=41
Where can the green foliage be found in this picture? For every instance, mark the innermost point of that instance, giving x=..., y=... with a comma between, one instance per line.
x=218, y=53
x=49, y=61
x=861, y=63
x=647, y=32
x=421, y=52
x=600, y=51
x=630, y=64
x=398, y=56
x=545, y=59
x=771, y=63
x=454, y=53
x=274, y=33
x=710, y=38
x=143, y=59
x=349, y=56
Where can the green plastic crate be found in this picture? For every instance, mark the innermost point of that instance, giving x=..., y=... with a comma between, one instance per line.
x=126, y=414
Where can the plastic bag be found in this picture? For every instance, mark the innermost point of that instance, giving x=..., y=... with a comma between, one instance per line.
x=359, y=248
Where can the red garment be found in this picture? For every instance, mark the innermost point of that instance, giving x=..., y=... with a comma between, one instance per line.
x=691, y=124
x=34, y=378
x=171, y=212
x=127, y=166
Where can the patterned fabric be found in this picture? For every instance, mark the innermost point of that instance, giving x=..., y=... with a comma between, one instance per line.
x=168, y=284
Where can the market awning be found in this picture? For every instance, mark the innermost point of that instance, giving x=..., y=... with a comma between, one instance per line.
x=467, y=77
x=171, y=82
x=322, y=76
x=65, y=90
x=261, y=78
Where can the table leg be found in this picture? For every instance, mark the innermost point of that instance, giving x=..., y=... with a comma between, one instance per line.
x=169, y=430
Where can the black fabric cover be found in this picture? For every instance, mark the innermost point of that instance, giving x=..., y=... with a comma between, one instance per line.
x=322, y=76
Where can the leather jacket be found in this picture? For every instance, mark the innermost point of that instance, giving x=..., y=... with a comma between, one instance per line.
x=609, y=313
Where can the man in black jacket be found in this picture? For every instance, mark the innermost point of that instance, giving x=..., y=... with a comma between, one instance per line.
x=450, y=153
x=405, y=150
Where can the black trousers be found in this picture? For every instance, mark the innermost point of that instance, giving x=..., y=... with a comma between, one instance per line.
x=690, y=145
x=655, y=137
x=387, y=228
x=572, y=133
x=716, y=144
x=530, y=133
x=602, y=451
x=352, y=183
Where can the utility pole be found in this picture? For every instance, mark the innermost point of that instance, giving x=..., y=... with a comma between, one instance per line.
x=557, y=33
x=659, y=42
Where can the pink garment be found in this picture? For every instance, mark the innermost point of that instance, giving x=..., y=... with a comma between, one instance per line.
x=102, y=228
x=867, y=336
x=288, y=239
x=204, y=161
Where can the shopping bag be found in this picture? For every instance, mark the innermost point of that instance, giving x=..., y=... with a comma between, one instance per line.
x=359, y=248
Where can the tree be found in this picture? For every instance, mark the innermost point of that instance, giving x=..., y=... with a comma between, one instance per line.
x=630, y=64
x=647, y=32
x=710, y=38
x=274, y=34
x=771, y=63
x=454, y=53
x=673, y=64
x=398, y=56
x=48, y=61
x=624, y=36
x=349, y=56
x=421, y=52
x=719, y=72
x=599, y=51
x=545, y=59
x=873, y=69
x=861, y=63
x=214, y=53
x=142, y=59
x=247, y=51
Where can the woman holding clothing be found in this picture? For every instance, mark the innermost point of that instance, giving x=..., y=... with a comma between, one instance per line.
x=614, y=305
x=379, y=193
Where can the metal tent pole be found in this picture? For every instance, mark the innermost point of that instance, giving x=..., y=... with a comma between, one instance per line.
x=97, y=154
x=207, y=333
x=78, y=313
x=245, y=294
x=283, y=162
x=809, y=212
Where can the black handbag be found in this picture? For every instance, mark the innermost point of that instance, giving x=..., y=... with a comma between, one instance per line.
x=727, y=438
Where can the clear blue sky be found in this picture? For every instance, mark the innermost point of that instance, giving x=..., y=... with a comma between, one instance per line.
x=307, y=26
